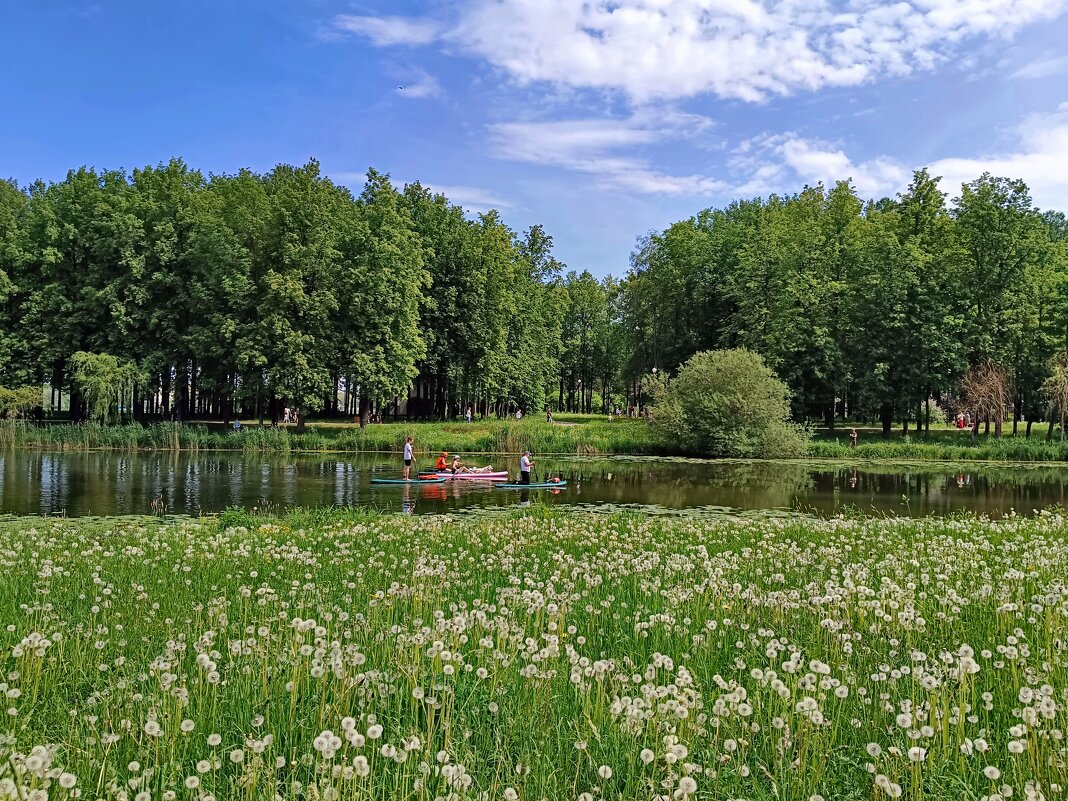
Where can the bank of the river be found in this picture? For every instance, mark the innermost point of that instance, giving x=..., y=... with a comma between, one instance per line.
x=537, y=655
x=590, y=437
x=575, y=435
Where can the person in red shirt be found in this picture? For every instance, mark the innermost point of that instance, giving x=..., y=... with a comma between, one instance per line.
x=442, y=464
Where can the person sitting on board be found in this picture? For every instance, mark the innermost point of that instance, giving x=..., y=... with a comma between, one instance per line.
x=458, y=466
x=525, y=463
x=442, y=464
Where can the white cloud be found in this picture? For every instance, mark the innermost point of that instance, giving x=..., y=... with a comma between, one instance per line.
x=593, y=146
x=783, y=162
x=387, y=31
x=471, y=198
x=1040, y=159
x=748, y=49
x=1043, y=68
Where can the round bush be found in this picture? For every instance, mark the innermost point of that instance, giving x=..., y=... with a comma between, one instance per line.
x=728, y=403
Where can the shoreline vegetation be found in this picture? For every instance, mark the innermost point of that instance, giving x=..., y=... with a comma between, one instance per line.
x=343, y=655
x=574, y=436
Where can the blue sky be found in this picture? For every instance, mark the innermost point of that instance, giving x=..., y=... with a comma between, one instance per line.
x=600, y=119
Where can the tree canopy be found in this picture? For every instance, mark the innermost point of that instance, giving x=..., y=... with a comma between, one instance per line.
x=244, y=293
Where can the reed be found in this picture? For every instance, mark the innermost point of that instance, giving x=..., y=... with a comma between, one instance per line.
x=597, y=436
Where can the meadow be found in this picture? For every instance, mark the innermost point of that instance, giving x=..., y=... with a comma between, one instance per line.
x=329, y=656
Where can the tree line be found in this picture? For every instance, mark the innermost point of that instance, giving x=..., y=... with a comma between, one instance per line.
x=231, y=295
x=870, y=310
x=239, y=295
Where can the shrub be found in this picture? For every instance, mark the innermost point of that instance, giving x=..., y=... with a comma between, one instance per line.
x=728, y=403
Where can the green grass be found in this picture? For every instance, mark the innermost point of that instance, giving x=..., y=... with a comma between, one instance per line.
x=526, y=656
x=947, y=445
x=596, y=436
x=588, y=435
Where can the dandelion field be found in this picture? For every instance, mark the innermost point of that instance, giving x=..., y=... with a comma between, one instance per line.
x=537, y=656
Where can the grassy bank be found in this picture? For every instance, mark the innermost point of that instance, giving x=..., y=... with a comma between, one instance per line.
x=584, y=435
x=506, y=436
x=349, y=656
x=943, y=446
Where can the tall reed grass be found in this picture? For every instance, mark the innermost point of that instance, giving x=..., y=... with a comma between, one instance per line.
x=591, y=438
x=1003, y=449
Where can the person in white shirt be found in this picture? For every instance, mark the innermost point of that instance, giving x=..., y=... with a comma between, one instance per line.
x=525, y=463
x=408, y=457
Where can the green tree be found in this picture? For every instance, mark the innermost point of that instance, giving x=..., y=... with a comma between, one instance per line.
x=105, y=382
x=728, y=403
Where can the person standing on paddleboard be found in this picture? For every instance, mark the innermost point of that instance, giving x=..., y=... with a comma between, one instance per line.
x=525, y=463
x=408, y=459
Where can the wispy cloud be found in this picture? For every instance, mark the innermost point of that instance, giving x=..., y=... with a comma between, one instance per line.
x=471, y=198
x=593, y=146
x=1043, y=68
x=781, y=162
x=747, y=49
x=387, y=31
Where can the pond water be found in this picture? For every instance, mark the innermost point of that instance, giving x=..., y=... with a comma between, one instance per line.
x=106, y=483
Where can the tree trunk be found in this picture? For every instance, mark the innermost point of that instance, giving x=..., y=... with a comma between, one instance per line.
x=1028, y=430
x=300, y=421
x=365, y=404
x=886, y=416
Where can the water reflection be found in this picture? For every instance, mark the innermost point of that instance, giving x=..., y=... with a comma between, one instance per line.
x=122, y=483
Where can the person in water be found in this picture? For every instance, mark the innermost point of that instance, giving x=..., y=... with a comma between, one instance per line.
x=442, y=464
x=408, y=457
x=525, y=463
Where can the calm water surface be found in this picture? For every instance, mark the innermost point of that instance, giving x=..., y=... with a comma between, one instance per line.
x=104, y=483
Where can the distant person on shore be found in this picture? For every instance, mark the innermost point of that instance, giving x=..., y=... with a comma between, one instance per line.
x=518, y=414
x=852, y=438
x=525, y=464
x=408, y=457
x=470, y=414
x=549, y=416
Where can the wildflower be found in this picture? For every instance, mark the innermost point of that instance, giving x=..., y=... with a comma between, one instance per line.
x=992, y=773
x=604, y=772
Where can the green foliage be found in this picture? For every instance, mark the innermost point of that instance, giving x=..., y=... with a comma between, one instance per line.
x=103, y=381
x=728, y=403
x=18, y=402
x=866, y=308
